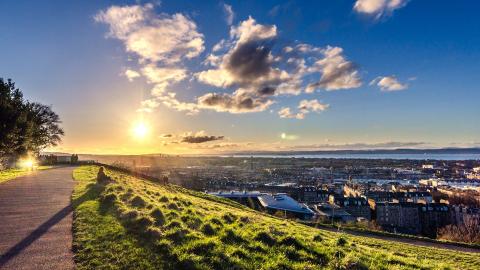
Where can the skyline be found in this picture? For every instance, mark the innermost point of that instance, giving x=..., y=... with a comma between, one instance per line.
x=233, y=76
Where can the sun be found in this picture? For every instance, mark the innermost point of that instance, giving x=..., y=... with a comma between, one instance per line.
x=140, y=130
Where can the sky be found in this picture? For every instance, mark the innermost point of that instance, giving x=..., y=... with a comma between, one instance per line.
x=193, y=77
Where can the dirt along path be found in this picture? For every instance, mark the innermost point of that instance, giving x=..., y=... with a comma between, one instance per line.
x=36, y=221
x=411, y=241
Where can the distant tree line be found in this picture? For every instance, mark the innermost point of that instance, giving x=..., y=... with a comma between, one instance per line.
x=25, y=127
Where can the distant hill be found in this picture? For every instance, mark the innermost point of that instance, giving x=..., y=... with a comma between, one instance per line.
x=372, y=151
x=130, y=223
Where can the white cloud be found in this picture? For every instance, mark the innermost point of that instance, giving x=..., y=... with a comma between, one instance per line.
x=389, y=84
x=304, y=108
x=378, y=8
x=162, y=42
x=166, y=38
x=286, y=112
x=312, y=105
x=156, y=74
x=247, y=66
x=131, y=74
x=337, y=72
x=229, y=14
x=148, y=105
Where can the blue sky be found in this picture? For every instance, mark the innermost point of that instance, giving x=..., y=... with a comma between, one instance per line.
x=411, y=76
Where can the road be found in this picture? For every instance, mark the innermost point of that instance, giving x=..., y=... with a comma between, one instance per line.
x=36, y=221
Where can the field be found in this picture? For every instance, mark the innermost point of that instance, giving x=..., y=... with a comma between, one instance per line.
x=10, y=174
x=130, y=223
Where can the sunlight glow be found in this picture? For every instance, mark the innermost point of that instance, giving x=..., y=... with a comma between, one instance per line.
x=140, y=130
x=27, y=163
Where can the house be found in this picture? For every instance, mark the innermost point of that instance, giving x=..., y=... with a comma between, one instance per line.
x=432, y=217
x=283, y=203
x=358, y=207
x=398, y=217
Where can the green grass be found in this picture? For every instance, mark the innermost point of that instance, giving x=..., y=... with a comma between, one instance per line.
x=10, y=174
x=136, y=224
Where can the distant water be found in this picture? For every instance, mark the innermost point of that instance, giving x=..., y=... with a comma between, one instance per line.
x=379, y=156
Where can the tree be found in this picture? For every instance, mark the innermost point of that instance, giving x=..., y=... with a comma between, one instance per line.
x=468, y=231
x=25, y=127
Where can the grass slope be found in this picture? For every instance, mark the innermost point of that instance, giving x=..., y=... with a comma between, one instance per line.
x=10, y=174
x=136, y=224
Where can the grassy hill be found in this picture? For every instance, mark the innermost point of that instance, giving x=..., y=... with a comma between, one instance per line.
x=9, y=174
x=131, y=223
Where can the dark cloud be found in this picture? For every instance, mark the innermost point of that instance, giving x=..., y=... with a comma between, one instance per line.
x=239, y=102
x=200, y=138
x=166, y=135
x=267, y=91
x=250, y=60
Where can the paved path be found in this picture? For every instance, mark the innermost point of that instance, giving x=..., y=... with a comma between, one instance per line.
x=36, y=221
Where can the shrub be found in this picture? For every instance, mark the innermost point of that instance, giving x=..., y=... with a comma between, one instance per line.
x=341, y=241
x=318, y=238
x=231, y=237
x=229, y=218
x=129, y=215
x=240, y=254
x=208, y=229
x=265, y=238
x=203, y=248
x=172, y=206
x=292, y=254
x=174, y=224
x=158, y=216
x=244, y=219
x=154, y=233
x=216, y=221
x=292, y=241
x=172, y=214
x=137, y=201
x=143, y=222
x=192, y=221
x=177, y=236
x=108, y=199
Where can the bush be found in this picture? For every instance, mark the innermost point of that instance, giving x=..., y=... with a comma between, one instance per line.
x=231, y=237
x=216, y=221
x=158, y=216
x=174, y=224
x=154, y=233
x=129, y=215
x=108, y=199
x=203, y=248
x=292, y=241
x=341, y=241
x=318, y=238
x=292, y=254
x=137, y=201
x=229, y=218
x=178, y=236
x=172, y=206
x=265, y=238
x=208, y=229
x=244, y=219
